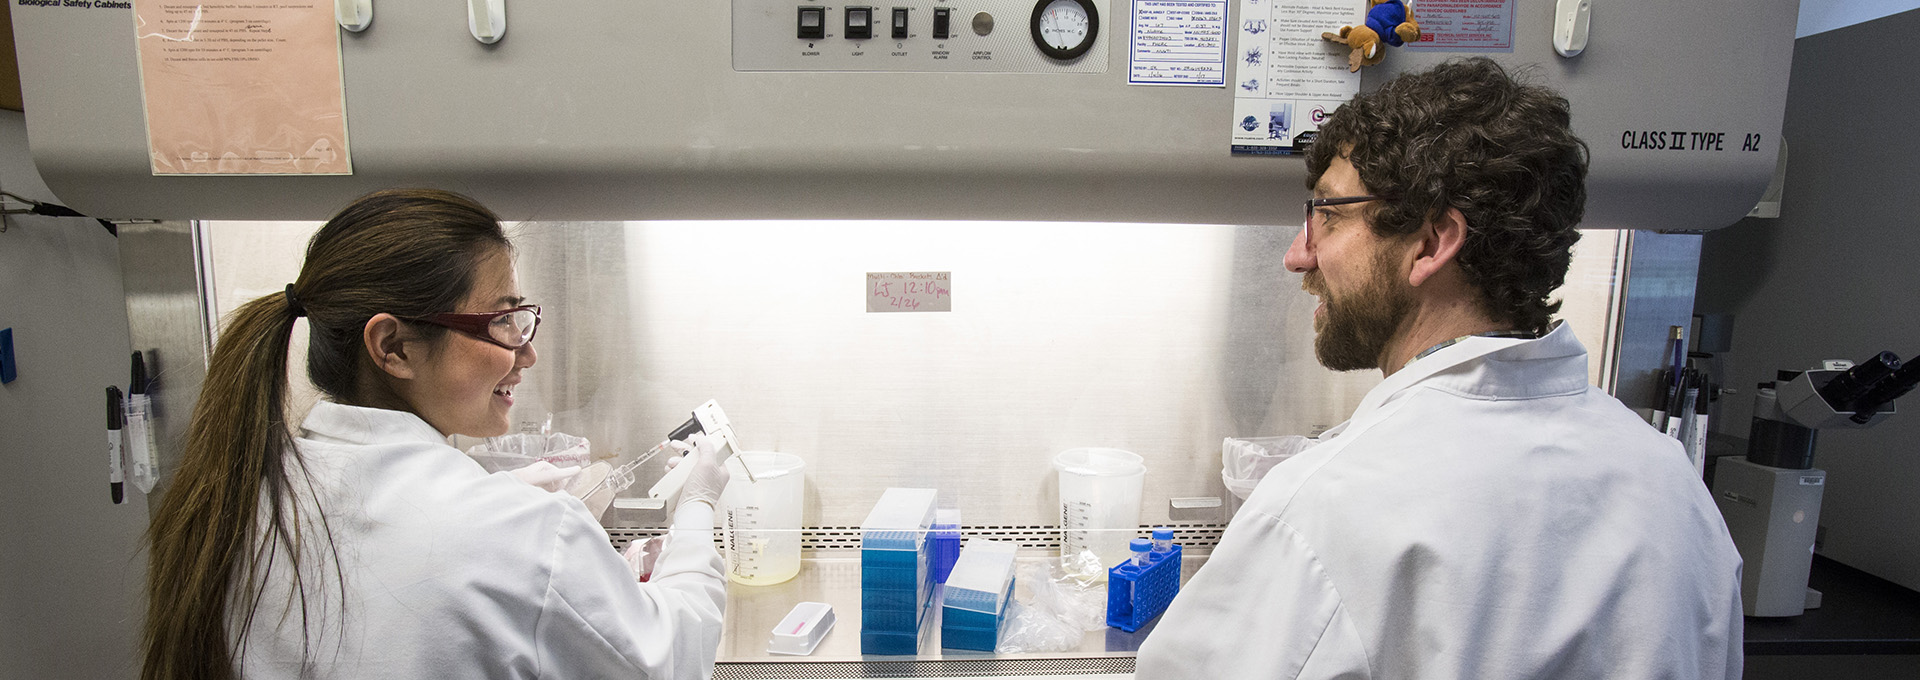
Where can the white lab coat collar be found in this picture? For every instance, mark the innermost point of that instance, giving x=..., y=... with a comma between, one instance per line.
x=1514, y=368
x=357, y=425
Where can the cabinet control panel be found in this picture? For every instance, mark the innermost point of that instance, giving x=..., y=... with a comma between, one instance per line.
x=983, y=36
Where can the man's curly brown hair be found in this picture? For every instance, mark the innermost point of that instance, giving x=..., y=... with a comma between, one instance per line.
x=1465, y=134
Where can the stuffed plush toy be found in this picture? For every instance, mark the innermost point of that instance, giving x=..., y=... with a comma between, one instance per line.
x=1388, y=23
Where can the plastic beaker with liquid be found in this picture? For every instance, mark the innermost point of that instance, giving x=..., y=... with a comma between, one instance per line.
x=762, y=518
x=1099, y=502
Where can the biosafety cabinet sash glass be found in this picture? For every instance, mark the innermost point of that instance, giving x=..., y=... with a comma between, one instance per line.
x=1160, y=339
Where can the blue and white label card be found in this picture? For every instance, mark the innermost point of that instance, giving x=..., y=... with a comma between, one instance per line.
x=1178, y=42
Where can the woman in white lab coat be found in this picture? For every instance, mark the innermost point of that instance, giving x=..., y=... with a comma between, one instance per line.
x=364, y=546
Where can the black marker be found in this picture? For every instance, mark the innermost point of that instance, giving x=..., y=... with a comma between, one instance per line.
x=115, y=416
x=1677, y=409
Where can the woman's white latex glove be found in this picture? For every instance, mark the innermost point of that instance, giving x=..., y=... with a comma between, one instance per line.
x=589, y=480
x=546, y=475
x=709, y=476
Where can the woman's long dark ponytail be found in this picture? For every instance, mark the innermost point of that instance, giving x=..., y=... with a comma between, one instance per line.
x=231, y=507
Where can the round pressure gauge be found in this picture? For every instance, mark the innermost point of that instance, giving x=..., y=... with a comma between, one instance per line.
x=1065, y=29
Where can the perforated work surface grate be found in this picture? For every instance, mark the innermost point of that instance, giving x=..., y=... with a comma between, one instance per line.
x=1200, y=537
x=921, y=669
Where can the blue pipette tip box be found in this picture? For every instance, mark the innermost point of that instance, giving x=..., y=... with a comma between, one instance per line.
x=976, y=596
x=974, y=630
x=905, y=639
x=1135, y=595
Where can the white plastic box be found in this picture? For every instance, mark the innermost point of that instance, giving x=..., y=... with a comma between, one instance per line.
x=802, y=630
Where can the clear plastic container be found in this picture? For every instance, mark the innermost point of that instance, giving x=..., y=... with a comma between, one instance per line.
x=1099, y=502
x=1162, y=539
x=762, y=518
x=899, y=521
x=980, y=577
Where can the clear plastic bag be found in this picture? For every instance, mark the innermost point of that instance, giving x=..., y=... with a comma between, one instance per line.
x=1244, y=462
x=534, y=444
x=1063, y=604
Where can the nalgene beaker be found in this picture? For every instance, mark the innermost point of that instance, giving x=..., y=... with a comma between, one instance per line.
x=762, y=518
x=1099, y=502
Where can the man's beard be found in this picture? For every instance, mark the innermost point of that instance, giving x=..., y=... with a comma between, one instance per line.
x=1354, y=331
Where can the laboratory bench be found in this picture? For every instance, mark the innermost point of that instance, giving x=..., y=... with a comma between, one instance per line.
x=1861, y=615
x=833, y=577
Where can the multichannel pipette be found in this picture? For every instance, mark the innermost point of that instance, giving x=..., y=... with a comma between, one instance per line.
x=708, y=419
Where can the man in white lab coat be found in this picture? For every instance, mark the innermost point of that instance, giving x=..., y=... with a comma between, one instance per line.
x=1485, y=513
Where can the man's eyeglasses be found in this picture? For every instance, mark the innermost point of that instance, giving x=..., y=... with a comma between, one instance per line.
x=509, y=328
x=1306, y=219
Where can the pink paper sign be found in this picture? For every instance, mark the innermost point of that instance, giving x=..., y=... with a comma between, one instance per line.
x=245, y=87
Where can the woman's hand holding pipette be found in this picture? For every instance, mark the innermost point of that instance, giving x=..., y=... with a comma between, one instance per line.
x=709, y=476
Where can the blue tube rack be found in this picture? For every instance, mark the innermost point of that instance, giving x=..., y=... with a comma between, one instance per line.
x=1135, y=595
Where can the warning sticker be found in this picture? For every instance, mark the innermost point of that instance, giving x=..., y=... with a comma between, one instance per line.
x=1464, y=25
x=1287, y=77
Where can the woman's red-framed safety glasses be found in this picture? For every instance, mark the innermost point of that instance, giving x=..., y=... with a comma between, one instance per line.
x=509, y=328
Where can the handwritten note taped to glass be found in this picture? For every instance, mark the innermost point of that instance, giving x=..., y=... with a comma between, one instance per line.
x=909, y=292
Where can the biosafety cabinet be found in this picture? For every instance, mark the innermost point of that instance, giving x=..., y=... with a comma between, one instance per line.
x=730, y=109
x=703, y=191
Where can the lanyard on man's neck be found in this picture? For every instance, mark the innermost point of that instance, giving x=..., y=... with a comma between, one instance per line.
x=1526, y=335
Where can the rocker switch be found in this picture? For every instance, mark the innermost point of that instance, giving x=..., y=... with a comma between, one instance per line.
x=942, y=23
x=859, y=23
x=813, y=23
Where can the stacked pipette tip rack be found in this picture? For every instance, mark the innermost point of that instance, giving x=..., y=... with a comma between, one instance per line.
x=896, y=581
x=974, y=603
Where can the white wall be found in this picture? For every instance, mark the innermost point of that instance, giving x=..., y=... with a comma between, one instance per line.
x=70, y=573
x=1820, y=16
x=1833, y=278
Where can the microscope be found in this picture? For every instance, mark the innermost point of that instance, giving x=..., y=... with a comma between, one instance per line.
x=1771, y=498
